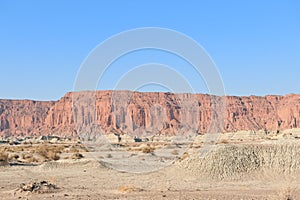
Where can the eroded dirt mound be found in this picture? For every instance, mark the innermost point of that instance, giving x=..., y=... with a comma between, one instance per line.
x=236, y=161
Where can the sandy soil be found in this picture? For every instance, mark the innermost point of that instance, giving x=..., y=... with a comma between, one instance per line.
x=88, y=180
x=239, y=167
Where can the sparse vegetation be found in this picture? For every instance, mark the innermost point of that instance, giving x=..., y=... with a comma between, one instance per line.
x=184, y=156
x=109, y=156
x=49, y=152
x=148, y=149
x=39, y=153
x=223, y=141
x=236, y=160
x=3, y=157
x=175, y=152
x=77, y=156
x=130, y=188
x=13, y=156
x=29, y=158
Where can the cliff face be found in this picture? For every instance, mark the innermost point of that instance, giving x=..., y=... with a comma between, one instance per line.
x=142, y=113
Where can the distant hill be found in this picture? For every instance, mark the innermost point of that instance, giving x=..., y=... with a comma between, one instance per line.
x=152, y=112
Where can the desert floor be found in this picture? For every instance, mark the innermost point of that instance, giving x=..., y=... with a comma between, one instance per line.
x=240, y=166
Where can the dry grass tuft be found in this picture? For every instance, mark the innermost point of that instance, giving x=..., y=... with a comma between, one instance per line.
x=73, y=149
x=28, y=158
x=175, y=152
x=49, y=152
x=3, y=158
x=13, y=156
x=223, y=141
x=130, y=188
x=38, y=153
x=109, y=156
x=184, y=156
x=148, y=149
x=77, y=156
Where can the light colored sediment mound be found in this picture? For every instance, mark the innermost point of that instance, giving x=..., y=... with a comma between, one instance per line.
x=236, y=161
x=63, y=164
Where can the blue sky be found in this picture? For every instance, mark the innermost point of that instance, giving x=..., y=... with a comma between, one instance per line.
x=255, y=44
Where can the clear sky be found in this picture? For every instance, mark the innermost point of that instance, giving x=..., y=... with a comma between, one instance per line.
x=255, y=44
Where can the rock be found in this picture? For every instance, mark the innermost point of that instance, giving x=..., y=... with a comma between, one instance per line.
x=3, y=141
x=136, y=139
x=138, y=114
x=54, y=139
x=77, y=156
x=14, y=142
x=37, y=187
x=42, y=138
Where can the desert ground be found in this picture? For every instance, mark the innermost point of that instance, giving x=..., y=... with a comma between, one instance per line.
x=240, y=165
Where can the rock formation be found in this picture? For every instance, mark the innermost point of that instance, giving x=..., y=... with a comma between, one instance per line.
x=147, y=113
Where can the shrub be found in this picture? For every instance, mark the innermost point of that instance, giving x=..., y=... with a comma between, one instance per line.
x=184, y=156
x=13, y=156
x=109, y=156
x=175, y=152
x=76, y=156
x=223, y=141
x=148, y=149
x=49, y=152
x=126, y=189
x=3, y=156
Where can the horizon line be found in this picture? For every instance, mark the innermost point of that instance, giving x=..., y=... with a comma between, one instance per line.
x=68, y=92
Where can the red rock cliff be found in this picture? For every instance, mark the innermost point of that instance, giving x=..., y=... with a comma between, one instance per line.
x=135, y=112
